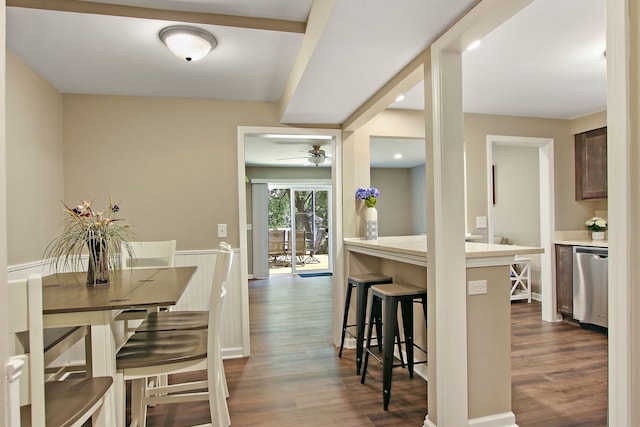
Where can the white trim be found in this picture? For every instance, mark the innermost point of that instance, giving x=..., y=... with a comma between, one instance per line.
x=622, y=161
x=494, y=261
x=336, y=211
x=303, y=182
x=386, y=254
x=547, y=211
x=505, y=419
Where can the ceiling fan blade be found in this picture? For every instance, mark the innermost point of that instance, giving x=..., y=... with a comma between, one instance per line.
x=291, y=158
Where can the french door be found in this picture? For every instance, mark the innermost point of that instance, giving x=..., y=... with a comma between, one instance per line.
x=299, y=224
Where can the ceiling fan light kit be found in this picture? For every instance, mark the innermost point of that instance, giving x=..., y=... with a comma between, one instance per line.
x=316, y=160
x=316, y=157
x=188, y=43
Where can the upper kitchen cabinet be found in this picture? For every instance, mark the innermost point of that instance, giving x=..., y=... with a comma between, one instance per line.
x=591, y=164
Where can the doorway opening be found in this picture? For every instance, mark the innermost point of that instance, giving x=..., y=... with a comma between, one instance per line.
x=544, y=217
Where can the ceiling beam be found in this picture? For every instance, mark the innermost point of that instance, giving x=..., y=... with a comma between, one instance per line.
x=319, y=15
x=406, y=79
x=161, y=14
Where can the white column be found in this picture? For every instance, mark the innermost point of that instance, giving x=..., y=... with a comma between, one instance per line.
x=448, y=385
x=623, y=151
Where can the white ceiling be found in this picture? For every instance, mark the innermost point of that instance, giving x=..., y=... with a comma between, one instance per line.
x=545, y=62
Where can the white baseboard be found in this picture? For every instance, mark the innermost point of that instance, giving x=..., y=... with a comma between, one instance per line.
x=505, y=419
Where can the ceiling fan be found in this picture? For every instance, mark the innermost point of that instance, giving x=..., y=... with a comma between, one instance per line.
x=316, y=157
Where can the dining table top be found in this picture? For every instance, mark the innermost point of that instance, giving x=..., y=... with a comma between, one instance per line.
x=129, y=288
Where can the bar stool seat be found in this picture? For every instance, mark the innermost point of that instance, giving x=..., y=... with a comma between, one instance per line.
x=362, y=283
x=388, y=298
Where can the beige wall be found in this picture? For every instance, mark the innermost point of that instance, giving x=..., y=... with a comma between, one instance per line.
x=635, y=195
x=394, y=204
x=516, y=214
x=356, y=173
x=569, y=214
x=587, y=123
x=170, y=163
x=34, y=162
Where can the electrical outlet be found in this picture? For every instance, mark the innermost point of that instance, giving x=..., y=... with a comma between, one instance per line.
x=477, y=287
x=481, y=222
x=222, y=230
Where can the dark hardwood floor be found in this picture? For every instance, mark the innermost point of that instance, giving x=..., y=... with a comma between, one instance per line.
x=558, y=371
x=294, y=377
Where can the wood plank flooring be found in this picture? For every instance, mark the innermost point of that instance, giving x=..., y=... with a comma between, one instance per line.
x=558, y=371
x=294, y=377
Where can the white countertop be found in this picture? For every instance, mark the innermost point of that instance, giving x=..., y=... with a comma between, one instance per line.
x=415, y=248
x=578, y=238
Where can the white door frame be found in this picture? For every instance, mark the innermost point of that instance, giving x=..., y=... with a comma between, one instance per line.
x=336, y=214
x=547, y=218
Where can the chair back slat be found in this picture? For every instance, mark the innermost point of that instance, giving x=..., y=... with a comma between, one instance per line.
x=148, y=254
x=221, y=274
x=25, y=314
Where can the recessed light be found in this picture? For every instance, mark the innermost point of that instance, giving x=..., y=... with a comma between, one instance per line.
x=397, y=156
x=473, y=45
x=399, y=98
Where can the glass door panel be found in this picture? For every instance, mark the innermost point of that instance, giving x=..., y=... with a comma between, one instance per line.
x=279, y=228
x=299, y=230
x=311, y=223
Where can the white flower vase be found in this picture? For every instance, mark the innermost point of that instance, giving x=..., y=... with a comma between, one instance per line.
x=371, y=223
x=597, y=235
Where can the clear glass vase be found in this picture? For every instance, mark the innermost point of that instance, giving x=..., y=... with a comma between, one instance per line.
x=98, y=271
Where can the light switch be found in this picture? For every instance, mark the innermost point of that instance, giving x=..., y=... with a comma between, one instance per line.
x=222, y=230
x=481, y=222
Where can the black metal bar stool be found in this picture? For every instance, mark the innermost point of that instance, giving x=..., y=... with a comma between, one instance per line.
x=362, y=283
x=390, y=296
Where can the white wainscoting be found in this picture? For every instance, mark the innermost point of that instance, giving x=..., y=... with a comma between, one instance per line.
x=195, y=297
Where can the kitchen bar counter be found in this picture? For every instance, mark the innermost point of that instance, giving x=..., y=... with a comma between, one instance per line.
x=487, y=314
x=414, y=250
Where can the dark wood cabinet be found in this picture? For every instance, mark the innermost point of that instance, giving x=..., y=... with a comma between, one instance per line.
x=564, y=279
x=591, y=164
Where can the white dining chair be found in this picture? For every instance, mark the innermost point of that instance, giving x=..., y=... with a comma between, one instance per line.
x=135, y=255
x=165, y=352
x=190, y=320
x=70, y=402
x=148, y=254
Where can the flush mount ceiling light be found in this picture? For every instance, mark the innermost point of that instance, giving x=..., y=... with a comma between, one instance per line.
x=188, y=43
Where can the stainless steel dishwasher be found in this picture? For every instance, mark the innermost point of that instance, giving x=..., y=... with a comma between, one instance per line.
x=590, y=284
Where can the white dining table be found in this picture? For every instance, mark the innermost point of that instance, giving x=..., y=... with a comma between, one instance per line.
x=69, y=302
